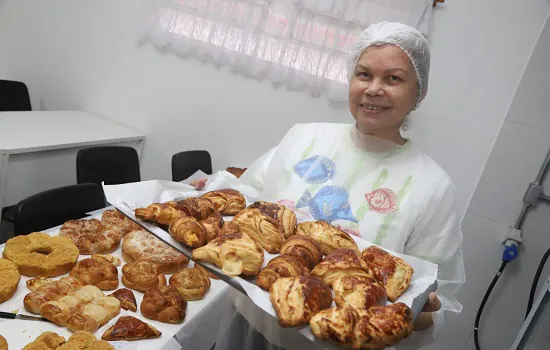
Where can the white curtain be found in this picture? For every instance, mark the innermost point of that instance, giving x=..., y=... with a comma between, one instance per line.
x=300, y=43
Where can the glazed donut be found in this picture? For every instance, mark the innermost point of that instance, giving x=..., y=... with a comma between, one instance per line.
x=38, y=254
x=91, y=237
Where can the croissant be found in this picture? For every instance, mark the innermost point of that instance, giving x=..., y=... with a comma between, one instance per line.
x=159, y=213
x=328, y=236
x=234, y=253
x=279, y=212
x=188, y=231
x=227, y=201
x=297, y=299
x=393, y=272
x=261, y=228
x=164, y=304
x=340, y=263
x=280, y=266
x=305, y=248
x=212, y=224
x=359, y=292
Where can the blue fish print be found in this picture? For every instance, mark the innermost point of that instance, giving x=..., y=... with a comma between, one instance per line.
x=329, y=204
x=316, y=170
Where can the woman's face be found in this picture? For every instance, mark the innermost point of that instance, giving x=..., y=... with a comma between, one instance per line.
x=383, y=90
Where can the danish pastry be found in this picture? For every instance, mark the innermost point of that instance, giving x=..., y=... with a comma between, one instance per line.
x=305, y=248
x=213, y=225
x=192, y=283
x=234, y=253
x=340, y=263
x=280, y=266
x=38, y=254
x=141, y=245
x=263, y=229
x=158, y=213
x=91, y=237
x=392, y=272
x=142, y=275
x=114, y=218
x=359, y=292
x=164, y=304
x=9, y=279
x=130, y=328
x=279, y=212
x=336, y=324
x=204, y=212
x=329, y=237
x=227, y=201
x=189, y=231
x=96, y=271
x=297, y=299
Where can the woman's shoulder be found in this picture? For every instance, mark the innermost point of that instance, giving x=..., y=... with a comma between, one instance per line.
x=432, y=173
x=320, y=127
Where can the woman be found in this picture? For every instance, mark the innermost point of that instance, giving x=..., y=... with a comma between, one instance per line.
x=366, y=178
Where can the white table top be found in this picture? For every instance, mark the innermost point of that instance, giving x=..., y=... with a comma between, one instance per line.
x=22, y=132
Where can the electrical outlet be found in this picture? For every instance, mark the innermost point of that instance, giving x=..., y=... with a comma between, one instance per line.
x=513, y=233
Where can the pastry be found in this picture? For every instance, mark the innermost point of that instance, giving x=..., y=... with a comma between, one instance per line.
x=127, y=299
x=37, y=282
x=141, y=245
x=158, y=213
x=237, y=172
x=263, y=229
x=130, y=328
x=212, y=224
x=110, y=258
x=3, y=343
x=305, y=248
x=164, y=304
x=206, y=272
x=52, y=291
x=228, y=227
x=189, y=231
x=328, y=236
x=392, y=272
x=142, y=275
x=280, y=266
x=204, y=212
x=115, y=218
x=191, y=283
x=297, y=299
x=58, y=311
x=94, y=315
x=340, y=263
x=39, y=254
x=96, y=271
x=46, y=340
x=90, y=236
x=227, y=201
x=9, y=279
x=85, y=341
x=234, y=253
x=336, y=324
x=279, y=212
x=383, y=326
x=358, y=291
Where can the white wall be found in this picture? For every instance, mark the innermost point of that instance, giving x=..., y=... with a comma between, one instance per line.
x=84, y=55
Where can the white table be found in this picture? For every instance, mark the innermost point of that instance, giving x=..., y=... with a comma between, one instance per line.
x=38, y=148
x=198, y=331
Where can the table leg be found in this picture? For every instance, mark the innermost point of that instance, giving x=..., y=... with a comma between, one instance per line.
x=4, y=158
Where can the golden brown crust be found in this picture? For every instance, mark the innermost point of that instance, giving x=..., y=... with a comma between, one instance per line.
x=96, y=271
x=37, y=282
x=234, y=253
x=340, y=263
x=158, y=213
x=141, y=245
x=228, y=227
x=263, y=229
x=189, y=231
x=85, y=340
x=212, y=224
x=51, y=291
x=226, y=201
x=191, y=283
x=305, y=248
x=127, y=299
x=115, y=218
x=142, y=275
x=164, y=304
x=336, y=324
x=91, y=237
x=206, y=272
x=297, y=299
x=3, y=343
x=285, y=216
x=392, y=272
x=280, y=266
x=199, y=208
x=38, y=254
x=130, y=328
x=9, y=279
x=60, y=310
x=359, y=292
x=45, y=341
x=90, y=317
x=110, y=258
x=329, y=237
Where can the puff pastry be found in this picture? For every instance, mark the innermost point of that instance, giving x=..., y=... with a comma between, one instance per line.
x=336, y=324
x=340, y=263
x=158, y=213
x=297, y=299
x=96, y=271
x=234, y=253
x=127, y=299
x=305, y=248
x=189, y=231
x=164, y=304
x=329, y=237
x=263, y=229
x=213, y=225
x=199, y=208
x=358, y=291
x=280, y=266
x=228, y=227
x=279, y=212
x=130, y=328
x=192, y=283
x=393, y=272
x=227, y=201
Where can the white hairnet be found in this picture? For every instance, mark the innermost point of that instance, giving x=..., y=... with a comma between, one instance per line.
x=407, y=38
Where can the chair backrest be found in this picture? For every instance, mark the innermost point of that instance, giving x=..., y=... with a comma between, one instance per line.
x=53, y=207
x=185, y=164
x=112, y=164
x=14, y=96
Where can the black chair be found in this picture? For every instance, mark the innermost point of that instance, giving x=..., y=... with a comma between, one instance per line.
x=185, y=164
x=14, y=96
x=53, y=207
x=112, y=164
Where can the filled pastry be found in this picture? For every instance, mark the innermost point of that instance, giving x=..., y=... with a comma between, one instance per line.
x=263, y=229
x=130, y=328
x=227, y=201
x=358, y=291
x=329, y=237
x=127, y=299
x=189, y=231
x=341, y=263
x=279, y=212
x=305, y=248
x=280, y=266
x=158, y=213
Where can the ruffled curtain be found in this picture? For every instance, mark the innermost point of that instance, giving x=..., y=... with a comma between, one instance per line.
x=300, y=43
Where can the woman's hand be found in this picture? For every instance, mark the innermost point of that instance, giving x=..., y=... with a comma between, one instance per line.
x=198, y=184
x=425, y=319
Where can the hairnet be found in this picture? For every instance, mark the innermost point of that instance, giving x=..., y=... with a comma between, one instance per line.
x=407, y=38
